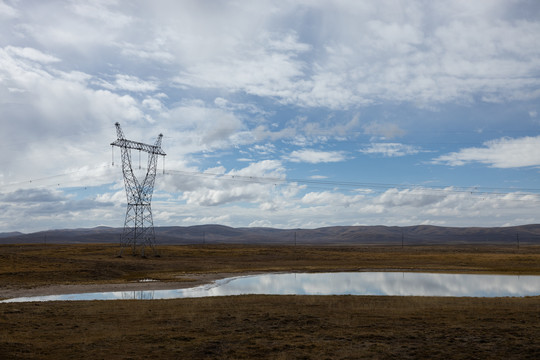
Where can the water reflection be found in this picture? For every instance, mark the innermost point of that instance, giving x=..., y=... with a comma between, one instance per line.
x=137, y=295
x=344, y=283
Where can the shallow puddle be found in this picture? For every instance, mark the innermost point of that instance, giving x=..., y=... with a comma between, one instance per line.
x=338, y=283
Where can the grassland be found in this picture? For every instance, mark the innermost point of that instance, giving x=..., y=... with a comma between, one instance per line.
x=38, y=265
x=265, y=327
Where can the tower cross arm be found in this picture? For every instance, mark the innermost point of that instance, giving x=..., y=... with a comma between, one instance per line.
x=129, y=144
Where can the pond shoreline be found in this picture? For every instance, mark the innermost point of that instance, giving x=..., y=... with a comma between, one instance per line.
x=184, y=281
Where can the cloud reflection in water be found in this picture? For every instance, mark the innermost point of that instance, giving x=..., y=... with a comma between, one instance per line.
x=344, y=283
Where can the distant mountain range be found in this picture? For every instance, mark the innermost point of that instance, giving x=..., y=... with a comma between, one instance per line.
x=338, y=235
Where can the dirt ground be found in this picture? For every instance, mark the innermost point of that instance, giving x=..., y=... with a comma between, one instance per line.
x=266, y=327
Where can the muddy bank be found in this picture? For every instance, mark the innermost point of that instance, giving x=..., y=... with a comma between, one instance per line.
x=183, y=282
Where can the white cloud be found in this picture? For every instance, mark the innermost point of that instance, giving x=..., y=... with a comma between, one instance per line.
x=316, y=156
x=260, y=223
x=147, y=53
x=327, y=197
x=253, y=184
x=303, y=131
x=129, y=83
x=449, y=207
x=499, y=153
x=198, y=127
x=222, y=199
x=390, y=149
x=54, y=120
x=371, y=54
x=418, y=198
x=153, y=104
x=46, y=205
x=241, y=79
x=7, y=11
x=133, y=83
x=265, y=149
x=258, y=70
x=75, y=28
x=220, y=219
x=31, y=54
x=374, y=52
x=101, y=12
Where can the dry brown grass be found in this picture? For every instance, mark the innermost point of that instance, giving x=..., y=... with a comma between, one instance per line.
x=274, y=327
x=35, y=265
x=265, y=327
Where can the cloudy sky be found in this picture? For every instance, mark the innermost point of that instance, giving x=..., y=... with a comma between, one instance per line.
x=287, y=114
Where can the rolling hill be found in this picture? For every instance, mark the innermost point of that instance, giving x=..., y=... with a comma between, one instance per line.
x=337, y=235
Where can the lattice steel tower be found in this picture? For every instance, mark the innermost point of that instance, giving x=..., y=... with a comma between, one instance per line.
x=138, y=226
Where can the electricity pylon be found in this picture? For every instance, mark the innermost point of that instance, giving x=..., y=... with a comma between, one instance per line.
x=138, y=226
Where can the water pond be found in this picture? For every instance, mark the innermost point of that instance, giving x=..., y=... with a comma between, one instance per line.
x=337, y=283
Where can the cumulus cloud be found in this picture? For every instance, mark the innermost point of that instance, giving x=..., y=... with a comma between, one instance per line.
x=498, y=153
x=315, y=156
x=372, y=54
x=410, y=206
x=328, y=197
x=263, y=71
x=41, y=205
x=446, y=207
x=264, y=149
x=216, y=186
x=153, y=104
x=53, y=118
x=417, y=198
x=238, y=81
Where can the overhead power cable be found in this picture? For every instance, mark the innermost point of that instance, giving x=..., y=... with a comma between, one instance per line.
x=323, y=184
x=57, y=176
x=356, y=185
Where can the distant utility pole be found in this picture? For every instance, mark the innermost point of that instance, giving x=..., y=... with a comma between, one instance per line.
x=402, y=239
x=517, y=239
x=295, y=250
x=138, y=225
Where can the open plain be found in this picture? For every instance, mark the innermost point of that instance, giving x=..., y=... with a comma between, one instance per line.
x=268, y=327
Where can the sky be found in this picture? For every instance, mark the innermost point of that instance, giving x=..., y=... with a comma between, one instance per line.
x=286, y=114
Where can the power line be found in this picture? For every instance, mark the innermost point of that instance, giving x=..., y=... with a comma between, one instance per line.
x=352, y=184
x=45, y=178
x=479, y=191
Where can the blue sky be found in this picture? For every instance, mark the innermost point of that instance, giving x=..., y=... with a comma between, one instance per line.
x=274, y=113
